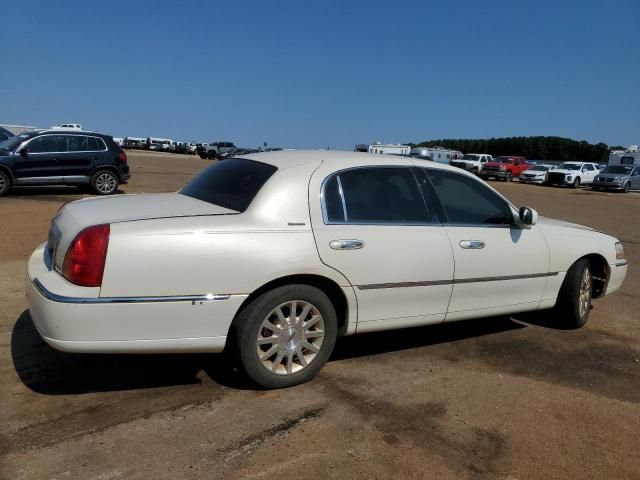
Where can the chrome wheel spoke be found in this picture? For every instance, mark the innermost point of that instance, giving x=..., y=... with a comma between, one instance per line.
x=314, y=334
x=268, y=340
x=305, y=313
x=310, y=346
x=290, y=363
x=303, y=361
x=313, y=321
x=269, y=353
x=277, y=361
x=272, y=327
x=280, y=315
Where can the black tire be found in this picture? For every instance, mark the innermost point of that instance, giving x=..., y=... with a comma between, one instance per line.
x=509, y=177
x=576, y=182
x=212, y=155
x=627, y=187
x=597, y=189
x=104, y=182
x=249, y=324
x=568, y=308
x=5, y=183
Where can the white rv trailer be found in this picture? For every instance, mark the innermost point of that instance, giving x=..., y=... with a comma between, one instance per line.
x=437, y=154
x=389, y=148
x=630, y=156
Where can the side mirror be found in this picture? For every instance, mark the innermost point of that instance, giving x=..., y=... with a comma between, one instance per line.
x=528, y=216
x=24, y=151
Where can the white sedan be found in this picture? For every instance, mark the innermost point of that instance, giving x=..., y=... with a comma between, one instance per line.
x=536, y=174
x=273, y=255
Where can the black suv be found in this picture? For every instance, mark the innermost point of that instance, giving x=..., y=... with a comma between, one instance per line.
x=54, y=157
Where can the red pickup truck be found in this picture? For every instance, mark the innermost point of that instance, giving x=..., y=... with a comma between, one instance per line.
x=504, y=168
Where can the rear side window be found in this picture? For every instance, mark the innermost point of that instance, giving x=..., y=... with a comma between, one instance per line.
x=76, y=143
x=374, y=195
x=467, y=201
x=231, y=184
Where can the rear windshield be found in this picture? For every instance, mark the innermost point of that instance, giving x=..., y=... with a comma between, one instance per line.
x=231, y=184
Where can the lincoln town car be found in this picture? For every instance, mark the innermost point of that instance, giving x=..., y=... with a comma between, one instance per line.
x=271, y=256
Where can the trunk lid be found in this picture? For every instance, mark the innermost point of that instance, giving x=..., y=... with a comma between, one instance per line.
x=78, y=215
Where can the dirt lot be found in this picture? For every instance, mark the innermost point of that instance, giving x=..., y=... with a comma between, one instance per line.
x=490, y=398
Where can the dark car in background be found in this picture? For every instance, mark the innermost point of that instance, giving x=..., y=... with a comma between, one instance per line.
x=618, y=177
x=4, y=134
x=52, y=157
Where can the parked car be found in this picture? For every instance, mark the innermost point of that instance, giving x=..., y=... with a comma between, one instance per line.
x=504, y=168
x=472, y=161
x=573, y=174
x=618, y=177
x=52, y=157
x=4, y=134
x=537, y=174
x=215, y=150
x=272, y=255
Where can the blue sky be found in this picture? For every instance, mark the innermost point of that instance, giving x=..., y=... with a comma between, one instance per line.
x=325, y=74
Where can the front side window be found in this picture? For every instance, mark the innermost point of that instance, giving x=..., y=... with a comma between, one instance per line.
x=231, y=184
x=374, y=195
x=467, y=201
x=48, y=144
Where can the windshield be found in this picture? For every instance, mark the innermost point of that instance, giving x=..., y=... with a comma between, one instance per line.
x=503, y=160
x=619, y=169
x=540, y=168
x=231, y=184
x=570, y=166
x=471, y=157
x=12, y=142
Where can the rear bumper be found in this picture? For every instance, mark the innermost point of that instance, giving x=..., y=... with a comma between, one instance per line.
x=88, y=323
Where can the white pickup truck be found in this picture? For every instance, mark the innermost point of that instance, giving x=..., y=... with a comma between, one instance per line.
x=472, y=161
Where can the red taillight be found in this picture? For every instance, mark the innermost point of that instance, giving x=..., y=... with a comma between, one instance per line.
x=86, y=256
x=122, y=157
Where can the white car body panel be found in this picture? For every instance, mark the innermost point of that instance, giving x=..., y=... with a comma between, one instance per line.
x=179, y=269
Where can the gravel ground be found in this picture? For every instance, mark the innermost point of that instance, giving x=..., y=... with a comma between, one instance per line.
x=490, y=398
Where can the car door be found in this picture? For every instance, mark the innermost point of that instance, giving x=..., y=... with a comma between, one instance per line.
x=635, y=178
x=81, y=152
x=371, y=224
x=499, y=267
x=588, y=173
x=39, y=162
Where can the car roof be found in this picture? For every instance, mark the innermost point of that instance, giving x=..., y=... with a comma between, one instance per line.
x=33, y=133
x=336, y=159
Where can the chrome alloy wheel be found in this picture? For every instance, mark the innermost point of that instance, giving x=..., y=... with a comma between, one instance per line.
x=290, y=337
x=106, y=183
x=584, y=298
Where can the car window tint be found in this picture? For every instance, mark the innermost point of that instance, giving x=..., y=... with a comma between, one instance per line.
x=77, y=143
x=231, y=184
x=96, y=144
x=47, y=144
x=467, y=201
x=378, y=194
x=333, y=201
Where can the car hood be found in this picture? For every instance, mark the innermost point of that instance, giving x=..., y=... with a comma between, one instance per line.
x=565, y=171
x=613, y=175
x=561, y=223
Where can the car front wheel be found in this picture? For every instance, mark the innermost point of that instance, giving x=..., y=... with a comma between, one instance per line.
x=104, y=182
x=627, y=187
x=285, y=336
x=576, y=182
x=574, y=299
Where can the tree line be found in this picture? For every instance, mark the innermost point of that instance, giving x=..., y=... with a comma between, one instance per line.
x=534, y=148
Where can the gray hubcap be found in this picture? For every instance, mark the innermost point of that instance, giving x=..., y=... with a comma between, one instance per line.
x=3, y=183
x=584, y=298
x=290, y=337
x=106, y=183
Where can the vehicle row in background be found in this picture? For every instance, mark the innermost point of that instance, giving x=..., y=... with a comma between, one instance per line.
x=504, y=168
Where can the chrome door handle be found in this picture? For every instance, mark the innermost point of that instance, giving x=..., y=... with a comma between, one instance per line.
x=346, y=244
x=472, y=244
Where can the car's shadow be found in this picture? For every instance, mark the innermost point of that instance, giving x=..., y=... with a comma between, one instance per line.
x=51, y=372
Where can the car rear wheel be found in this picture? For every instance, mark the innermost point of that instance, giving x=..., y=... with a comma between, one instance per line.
x=104, y=182
x=5, y=183
x=627, y=187
x=574, y=299
x=285, y=336
x=576, y=182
